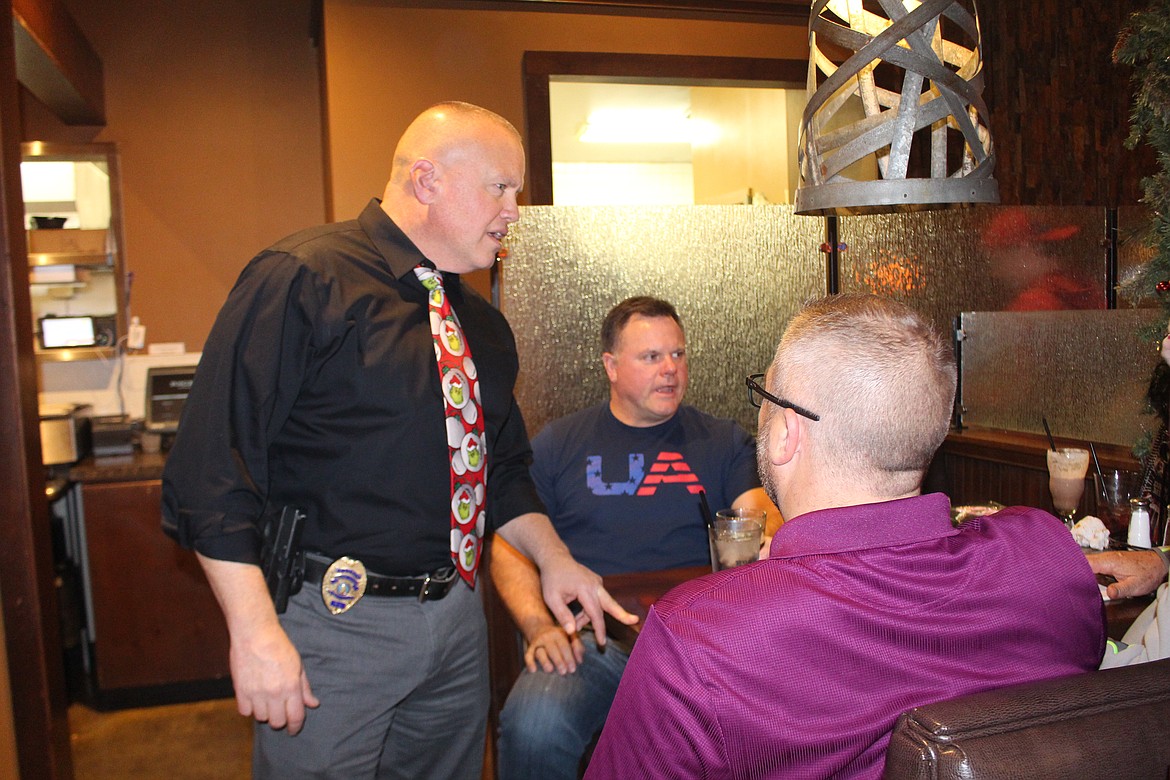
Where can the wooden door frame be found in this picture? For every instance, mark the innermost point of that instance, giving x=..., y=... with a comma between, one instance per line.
x=541, y=66
x=27, y=593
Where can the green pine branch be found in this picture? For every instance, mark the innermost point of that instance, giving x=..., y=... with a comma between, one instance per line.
x=1144, y=45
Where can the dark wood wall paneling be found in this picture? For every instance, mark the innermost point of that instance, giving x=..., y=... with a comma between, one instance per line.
x=1059, y=106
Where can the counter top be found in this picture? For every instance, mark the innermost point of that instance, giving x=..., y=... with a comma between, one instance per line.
x=136, y=467
x=55, y=487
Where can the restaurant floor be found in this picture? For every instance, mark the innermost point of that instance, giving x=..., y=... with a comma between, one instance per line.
x=206, y=740
x=199, y=741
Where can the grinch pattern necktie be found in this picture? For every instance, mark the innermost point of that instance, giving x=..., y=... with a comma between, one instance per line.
x=464, y=417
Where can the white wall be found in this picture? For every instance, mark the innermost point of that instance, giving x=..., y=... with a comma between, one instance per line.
x=115, y=386
x=623, y=184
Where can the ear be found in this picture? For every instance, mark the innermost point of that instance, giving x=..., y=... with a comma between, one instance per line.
x=424, y=180
x=610, y=363
x=785, y=435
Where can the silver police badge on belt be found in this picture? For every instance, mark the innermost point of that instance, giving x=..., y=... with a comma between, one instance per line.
x=343, y=585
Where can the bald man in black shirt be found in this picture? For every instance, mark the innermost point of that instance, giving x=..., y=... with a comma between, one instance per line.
x=318, y=389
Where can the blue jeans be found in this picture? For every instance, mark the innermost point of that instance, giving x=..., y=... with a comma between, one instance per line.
x=549, y=720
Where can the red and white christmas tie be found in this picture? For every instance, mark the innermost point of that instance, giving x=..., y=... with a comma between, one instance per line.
x=464, y=415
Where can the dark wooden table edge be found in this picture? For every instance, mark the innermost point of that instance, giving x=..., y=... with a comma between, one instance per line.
x=1024, y=449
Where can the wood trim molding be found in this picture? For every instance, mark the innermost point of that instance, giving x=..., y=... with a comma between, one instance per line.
x=1026, y=450
x=29, y=603
x=756, y=11
x=540, y=66
x=56, y=62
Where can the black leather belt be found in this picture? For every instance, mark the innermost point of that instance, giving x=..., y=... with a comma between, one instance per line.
x=427, y=587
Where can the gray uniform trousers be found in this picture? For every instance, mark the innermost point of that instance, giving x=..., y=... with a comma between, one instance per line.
x=403, y=689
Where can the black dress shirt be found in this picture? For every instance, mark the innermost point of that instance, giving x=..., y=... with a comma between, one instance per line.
x=318, y=388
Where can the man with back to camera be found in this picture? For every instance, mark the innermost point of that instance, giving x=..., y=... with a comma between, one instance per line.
x=621, y=481
x=350, y=375
x=871, y=601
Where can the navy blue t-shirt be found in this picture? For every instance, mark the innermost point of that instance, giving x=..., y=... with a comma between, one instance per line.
x=627, y=499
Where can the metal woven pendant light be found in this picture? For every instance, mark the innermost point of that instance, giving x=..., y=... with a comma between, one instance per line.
x=895, y=119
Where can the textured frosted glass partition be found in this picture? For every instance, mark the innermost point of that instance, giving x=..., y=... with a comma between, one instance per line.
x=1132, y=253
x=1086, y=371
x=736, y=275
x=978, y=259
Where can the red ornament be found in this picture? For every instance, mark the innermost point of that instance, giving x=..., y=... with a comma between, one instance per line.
x=1162, y=286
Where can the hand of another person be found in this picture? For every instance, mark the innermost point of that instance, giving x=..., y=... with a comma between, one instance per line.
x=270, y=681
x=563, y=581
x=1137, y=572
x=553, y=649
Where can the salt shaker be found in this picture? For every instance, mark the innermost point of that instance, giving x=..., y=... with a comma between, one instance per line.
x=1139, y=523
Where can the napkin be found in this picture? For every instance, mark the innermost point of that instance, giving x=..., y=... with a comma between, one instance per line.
x=1091, y=532
x=1143, y=639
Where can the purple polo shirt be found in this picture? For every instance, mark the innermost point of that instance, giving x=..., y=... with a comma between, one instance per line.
x=799, y=665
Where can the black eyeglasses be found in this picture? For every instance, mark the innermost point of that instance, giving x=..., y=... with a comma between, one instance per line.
x=757, y=392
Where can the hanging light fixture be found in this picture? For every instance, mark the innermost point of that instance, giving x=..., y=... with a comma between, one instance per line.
x=895, y=119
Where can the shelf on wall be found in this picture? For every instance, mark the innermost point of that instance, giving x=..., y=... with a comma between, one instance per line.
x=70, y=258
x=75, y=353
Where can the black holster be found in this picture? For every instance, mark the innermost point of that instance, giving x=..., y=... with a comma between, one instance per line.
x=281, y=557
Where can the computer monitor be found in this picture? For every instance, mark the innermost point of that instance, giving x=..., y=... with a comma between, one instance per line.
x=167, y=388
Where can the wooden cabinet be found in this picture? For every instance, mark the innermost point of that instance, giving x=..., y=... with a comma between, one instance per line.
x=157, y=632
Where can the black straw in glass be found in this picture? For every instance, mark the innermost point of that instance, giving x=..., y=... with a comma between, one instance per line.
x=706, y=508
x=1100, y=475
x=1051, y=441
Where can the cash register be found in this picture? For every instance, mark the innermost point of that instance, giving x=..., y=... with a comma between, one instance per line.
x=167, y=388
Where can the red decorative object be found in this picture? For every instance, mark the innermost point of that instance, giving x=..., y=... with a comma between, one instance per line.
x=1162, y=286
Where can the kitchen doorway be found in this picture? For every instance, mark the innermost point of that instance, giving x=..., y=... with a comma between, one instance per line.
x=753, y=163
x=617, y=144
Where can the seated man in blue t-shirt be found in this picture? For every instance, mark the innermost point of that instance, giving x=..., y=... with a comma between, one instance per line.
x=621, y=481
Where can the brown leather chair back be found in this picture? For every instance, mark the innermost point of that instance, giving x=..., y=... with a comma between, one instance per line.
x=1112, y=724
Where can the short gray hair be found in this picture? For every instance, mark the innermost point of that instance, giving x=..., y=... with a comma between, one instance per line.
x=881, y=378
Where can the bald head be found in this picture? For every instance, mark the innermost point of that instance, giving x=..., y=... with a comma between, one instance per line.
x=454, y=182
x=447, y=129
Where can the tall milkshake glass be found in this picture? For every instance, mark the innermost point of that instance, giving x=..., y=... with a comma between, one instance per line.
x=1067, y=467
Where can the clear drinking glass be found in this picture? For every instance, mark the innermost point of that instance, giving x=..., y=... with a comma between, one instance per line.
x=1067, y=467
x=1115, y=488
x=735, y=537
